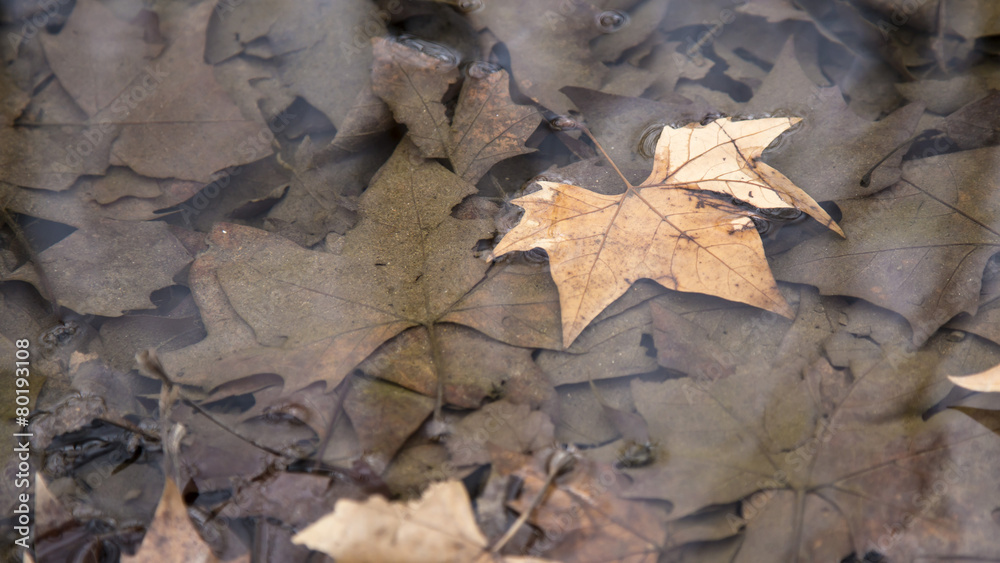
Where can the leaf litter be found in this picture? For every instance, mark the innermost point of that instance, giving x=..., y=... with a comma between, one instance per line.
x=353, y=232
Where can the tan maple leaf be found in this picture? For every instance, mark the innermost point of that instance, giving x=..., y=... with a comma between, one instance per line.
x=668, y=228
x=439, y=526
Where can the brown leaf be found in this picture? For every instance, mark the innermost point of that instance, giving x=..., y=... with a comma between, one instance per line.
x=311, y=316
x=96, y=56
x=470, y=367
x=439, y=526
x=842, y=456
x=488, y=127
x=975, y=124
x=180, y=105
x=501, y=424
x=665, y=229
x=384, y=416
x=928, y=267
x=322, y=196
x=583, y=518
x=171, y=537
x=833, y=149
x=558, y=54
x=311, y=40
x=52, y=157
x=111, y=266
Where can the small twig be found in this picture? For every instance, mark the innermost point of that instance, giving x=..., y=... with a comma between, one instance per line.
x=151, y=363
x=606, y=157
x=558, y=463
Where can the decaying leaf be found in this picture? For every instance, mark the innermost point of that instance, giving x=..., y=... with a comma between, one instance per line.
x=309, y=315
x=581, y=516
x=172, y=537
x=666, y=229
x=96, y=56
x=827, y=454
x=928, y=267
x=439, y=526
x=111, y=266
x=836, y=154
x=487, y=126
x=181, y=105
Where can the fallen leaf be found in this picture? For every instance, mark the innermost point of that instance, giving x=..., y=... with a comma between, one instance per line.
x=49, y=157
x=96, y=56
x=558, y=54
x=827, y=454
x=501, y=424
x=470, y=367
x=271, y=306
x=439, y=526
x=611, y=346
x=171, y=537
x=384, y=416
x=487, y=126
x=322, y=197
x=110, y=267
x=975, y=125
x=834, y=149
x=182, y=106
x=928, y=266
x=310, y=41
x=582, y=517
x=666, y=229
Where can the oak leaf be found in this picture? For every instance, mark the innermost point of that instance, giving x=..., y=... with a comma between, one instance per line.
x=668, y=228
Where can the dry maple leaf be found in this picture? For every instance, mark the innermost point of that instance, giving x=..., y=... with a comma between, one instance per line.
x=666, y=229
x=439, y=526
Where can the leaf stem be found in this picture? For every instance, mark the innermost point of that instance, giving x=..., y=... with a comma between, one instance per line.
x=606, y=157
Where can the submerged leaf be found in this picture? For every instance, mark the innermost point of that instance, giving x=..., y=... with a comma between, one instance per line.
x=487, y=126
